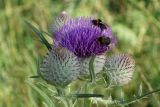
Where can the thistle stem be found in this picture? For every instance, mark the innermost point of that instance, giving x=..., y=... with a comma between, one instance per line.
x=91, y=69
x=62, y=94
x=60, y=91
x=93, y=79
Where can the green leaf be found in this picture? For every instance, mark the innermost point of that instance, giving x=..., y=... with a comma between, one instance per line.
x=34, y=76
x=48, y=100
x=39, y=34
x=86, y=95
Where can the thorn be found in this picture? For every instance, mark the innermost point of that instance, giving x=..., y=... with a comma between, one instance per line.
x=34, y=76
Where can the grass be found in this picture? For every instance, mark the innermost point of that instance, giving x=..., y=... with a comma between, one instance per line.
x=135, y=23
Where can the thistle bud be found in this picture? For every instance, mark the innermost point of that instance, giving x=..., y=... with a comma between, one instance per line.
x=60, y=67
x=119, y=68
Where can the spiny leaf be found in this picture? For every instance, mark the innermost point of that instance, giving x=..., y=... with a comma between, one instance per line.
x=47, y=99
x=39, y=34
x=34, y=76
x=132, y=100
x=86, y=95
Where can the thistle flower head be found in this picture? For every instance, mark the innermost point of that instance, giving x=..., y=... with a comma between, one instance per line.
x=119, y=68
x=60, y=67
x=83, y=35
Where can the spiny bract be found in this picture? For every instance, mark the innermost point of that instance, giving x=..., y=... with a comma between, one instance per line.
x=60, y=67
x=119, y=68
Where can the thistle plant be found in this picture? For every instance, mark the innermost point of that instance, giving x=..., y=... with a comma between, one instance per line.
x=79, y=53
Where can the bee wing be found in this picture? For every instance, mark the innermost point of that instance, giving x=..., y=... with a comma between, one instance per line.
x=103, y=26
x=119, y=69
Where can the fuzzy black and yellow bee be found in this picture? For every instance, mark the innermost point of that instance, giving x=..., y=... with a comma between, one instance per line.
x=99, y=23
x=104, y=40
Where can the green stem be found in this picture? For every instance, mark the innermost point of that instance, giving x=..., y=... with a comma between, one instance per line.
x=91, y=69
x=93, y=78
x=62, y=94
x=85, y=101
x=60, y=91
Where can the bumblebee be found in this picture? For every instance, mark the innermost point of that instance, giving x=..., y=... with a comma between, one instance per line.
x=104, y=40
x=99, y=23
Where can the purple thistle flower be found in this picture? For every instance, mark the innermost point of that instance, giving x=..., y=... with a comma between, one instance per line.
x=82, y=36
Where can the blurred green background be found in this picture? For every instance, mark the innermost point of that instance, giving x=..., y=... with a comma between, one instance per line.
x=136, y=23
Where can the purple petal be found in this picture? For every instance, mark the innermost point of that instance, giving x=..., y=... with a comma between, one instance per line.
x=80, y=36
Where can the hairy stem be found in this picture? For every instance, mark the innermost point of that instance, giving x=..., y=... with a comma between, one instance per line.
x=61, y=93
x=91, y=69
